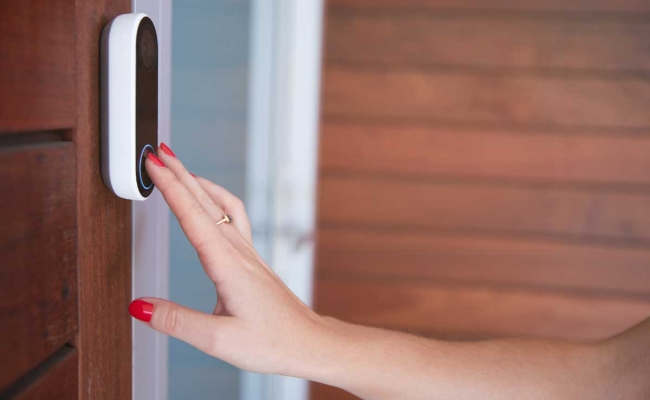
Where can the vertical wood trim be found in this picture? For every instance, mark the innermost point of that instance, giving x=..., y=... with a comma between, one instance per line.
x=104, y=224
x=164, y=134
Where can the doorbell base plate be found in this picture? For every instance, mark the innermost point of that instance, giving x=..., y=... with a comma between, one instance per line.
x=129, y=104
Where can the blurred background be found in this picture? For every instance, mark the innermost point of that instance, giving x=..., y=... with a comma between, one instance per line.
x=484, y=166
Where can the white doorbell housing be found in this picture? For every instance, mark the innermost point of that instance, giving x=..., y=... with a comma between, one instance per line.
x=129, y=108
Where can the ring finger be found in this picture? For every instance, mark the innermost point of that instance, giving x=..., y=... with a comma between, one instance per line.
x=231, y=204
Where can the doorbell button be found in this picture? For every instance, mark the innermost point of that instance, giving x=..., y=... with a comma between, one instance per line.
x=129, y=85
x=143, y=176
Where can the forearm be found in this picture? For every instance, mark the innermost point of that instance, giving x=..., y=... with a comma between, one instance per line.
x=371, y=363
x=627, y=363
x=379, y=364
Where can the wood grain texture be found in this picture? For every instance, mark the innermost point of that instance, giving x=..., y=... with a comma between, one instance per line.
x=485, y=168
x=59, y=381
x=37, y=65
x=38, y=243
x=484, y=207
x=503, y=98
x=565, y=42
x=498, y=5
x=483, y=311
x=437, y=258
x=104, y=224
x=539, y=155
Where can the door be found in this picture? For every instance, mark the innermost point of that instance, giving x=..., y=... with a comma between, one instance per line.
x=65, y=239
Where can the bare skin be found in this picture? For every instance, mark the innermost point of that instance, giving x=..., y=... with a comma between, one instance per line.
x=261, y=326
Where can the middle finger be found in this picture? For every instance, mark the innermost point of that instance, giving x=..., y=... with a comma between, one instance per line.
x=192, y=185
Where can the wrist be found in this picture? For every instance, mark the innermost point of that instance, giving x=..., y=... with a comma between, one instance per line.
x=319, y=353
x=338, y=352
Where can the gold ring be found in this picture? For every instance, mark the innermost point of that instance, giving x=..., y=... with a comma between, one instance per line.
x=226, y=219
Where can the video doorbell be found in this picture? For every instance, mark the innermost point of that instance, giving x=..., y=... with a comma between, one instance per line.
x=129, y=104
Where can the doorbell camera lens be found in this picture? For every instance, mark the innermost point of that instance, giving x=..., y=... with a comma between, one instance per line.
x=148, y=47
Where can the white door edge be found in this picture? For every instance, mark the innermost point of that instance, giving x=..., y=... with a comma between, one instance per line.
x=150, y=269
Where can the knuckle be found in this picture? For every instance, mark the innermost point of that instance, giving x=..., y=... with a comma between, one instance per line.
x=238, y=205
x=168, y=185
x=205, y=246
x=173, y=323
x=208, y=256
x=164, y=181
x=215, y=343
x=203, y=249
x=232, y=252
x=194, y=210
x=221, y=339
x=205, y=197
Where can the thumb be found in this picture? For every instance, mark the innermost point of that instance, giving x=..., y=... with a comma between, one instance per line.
x=206, y=332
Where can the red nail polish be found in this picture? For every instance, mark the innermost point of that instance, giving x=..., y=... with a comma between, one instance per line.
x=167, y=150
x=141, y=310
x=155, y=160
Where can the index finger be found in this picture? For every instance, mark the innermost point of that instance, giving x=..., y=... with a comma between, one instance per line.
x=196, y=223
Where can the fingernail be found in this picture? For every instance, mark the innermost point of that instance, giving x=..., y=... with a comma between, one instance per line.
x=167, y=150
x=155, y=160
x=141, y=310
x=192, y=174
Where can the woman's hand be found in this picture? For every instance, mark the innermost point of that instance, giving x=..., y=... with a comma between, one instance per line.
x=258, y=324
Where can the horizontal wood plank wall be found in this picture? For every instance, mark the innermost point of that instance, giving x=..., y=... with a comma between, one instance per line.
x=485, y=168
x=485, y=97
x=39, y=296
x=57, y=378
x=539, y=155
x=466, y=311
x=629, y=6
x=42, y=36
x=38, y=241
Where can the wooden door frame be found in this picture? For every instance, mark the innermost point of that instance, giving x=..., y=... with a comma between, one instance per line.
x=104, y=228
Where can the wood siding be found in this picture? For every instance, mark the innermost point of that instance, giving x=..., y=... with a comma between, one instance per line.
x=65, y=238
x=485, y=168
